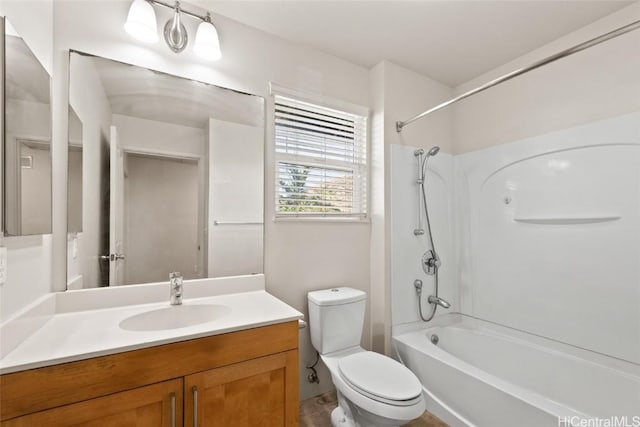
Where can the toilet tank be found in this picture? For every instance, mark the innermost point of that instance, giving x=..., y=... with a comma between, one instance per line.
x=336, y=318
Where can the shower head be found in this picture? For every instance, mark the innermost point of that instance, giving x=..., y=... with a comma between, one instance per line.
x=433, y=151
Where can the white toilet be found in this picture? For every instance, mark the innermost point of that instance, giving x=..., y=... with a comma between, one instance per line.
x=373, y=390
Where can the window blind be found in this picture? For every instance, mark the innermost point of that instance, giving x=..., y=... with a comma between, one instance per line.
x=321, y=161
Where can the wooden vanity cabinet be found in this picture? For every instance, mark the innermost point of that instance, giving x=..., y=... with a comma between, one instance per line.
x=245, y=378
x=251, y=393
x=154, y=405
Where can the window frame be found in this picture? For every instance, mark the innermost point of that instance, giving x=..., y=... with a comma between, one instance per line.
x=341, y=106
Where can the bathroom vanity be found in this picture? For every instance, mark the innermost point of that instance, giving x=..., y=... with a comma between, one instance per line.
x=242, y=378
x=240, y=369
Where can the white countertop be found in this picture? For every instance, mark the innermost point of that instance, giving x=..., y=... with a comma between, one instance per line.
x=77, y=335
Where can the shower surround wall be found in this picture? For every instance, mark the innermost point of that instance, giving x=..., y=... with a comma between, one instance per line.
x=549, y=241
x=541, y=235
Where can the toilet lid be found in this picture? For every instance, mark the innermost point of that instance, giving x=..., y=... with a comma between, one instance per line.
x=380, y=376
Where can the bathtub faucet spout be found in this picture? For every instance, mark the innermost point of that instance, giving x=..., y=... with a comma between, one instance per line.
x=438, y=301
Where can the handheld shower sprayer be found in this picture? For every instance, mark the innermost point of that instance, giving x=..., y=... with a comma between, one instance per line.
x=433, y=151
x=430, y=260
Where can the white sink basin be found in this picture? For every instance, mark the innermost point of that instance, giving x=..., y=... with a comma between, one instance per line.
x=174, y=317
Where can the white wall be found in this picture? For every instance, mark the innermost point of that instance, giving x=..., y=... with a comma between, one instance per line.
x=28, y=275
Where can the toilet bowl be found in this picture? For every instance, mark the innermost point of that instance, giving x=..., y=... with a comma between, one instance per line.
x=373, y=389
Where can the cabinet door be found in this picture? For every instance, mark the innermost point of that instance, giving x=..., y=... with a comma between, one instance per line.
x=258, y=392
x=151, y=406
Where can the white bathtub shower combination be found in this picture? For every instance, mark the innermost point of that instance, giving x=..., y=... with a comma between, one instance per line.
x=540, y=247
x=482, y=374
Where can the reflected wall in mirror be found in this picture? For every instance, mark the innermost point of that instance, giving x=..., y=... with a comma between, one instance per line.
x=27, y=139
x=74, y=187
x=172, y=176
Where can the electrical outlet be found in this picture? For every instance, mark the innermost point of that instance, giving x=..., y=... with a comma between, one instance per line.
x=3, y=265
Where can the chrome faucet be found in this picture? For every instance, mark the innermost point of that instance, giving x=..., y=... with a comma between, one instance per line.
x=175, y=282
x=439, y=301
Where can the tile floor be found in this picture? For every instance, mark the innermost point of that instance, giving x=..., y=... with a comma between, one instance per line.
x=316, y=412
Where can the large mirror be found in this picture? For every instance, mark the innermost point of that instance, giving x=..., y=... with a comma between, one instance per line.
x=26, y=139
x=171, y=176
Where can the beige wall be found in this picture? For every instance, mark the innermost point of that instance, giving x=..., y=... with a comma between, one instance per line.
x=397, y=94
x=602, y=81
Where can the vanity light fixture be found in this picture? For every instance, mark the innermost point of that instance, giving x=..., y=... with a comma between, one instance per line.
x=141, y=21
x=207, y=45
x=142, y=24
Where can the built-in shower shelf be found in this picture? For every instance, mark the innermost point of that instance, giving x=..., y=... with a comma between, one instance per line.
x=560, y=220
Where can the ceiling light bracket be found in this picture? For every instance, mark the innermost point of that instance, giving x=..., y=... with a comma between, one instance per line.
x=175, y=34
x=180, y=9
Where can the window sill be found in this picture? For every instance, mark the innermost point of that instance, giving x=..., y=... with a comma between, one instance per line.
x=325, y=219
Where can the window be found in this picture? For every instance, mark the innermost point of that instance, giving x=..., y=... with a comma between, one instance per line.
x=321, y=161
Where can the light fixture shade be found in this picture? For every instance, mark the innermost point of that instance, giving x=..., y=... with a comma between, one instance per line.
x=207, y=43
x=141, y=21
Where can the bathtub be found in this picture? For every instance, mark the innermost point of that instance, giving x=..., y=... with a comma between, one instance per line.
x=482, y=374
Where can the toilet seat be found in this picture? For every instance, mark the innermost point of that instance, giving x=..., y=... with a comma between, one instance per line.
x=380, y=378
